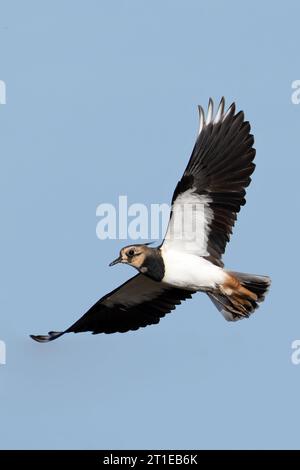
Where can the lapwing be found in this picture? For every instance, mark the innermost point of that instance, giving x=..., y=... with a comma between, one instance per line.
x=204, y=209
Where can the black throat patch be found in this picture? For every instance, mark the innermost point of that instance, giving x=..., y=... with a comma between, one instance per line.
x=154, y=266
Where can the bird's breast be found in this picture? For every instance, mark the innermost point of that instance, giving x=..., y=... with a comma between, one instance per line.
x=189, y=271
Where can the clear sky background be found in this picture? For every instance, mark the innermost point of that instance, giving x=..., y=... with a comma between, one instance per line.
x=101, y=101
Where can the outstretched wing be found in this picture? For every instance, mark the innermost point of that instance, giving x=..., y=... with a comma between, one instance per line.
x=137, y=303
x=212, y=189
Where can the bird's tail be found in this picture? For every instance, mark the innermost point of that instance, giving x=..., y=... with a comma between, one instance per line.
x=238, y=297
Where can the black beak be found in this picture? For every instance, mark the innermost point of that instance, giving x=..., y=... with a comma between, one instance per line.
x=116, y=261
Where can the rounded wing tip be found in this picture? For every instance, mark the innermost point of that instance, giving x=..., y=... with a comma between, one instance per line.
x=232, y=107
x=46, y=338
x=200, y=109
x=201, y=119
x=209, y=118
x=210, y=111
x=40, y=338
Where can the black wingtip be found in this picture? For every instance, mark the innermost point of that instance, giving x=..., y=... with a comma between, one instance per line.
x=51, y=336
x=210, y=102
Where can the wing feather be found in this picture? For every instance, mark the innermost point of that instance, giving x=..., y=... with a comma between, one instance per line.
x=137, y=303
x=215, y=182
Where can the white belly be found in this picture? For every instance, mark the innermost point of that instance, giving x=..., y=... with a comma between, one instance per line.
x=190, y=271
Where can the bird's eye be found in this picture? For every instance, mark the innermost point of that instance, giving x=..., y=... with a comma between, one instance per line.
x=130, y=252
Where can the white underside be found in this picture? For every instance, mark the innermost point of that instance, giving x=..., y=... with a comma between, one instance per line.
x=189, y=271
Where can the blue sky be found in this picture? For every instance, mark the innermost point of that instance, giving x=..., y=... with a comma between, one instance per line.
x=98, y=92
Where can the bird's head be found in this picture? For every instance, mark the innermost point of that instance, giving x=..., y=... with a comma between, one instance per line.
x=145, y=259
x=134, y=255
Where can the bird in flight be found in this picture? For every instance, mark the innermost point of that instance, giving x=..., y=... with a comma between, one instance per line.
x=205, y=204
